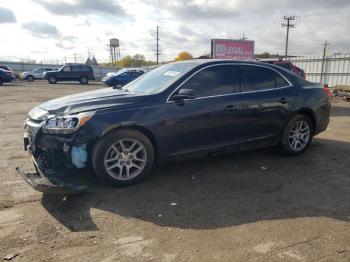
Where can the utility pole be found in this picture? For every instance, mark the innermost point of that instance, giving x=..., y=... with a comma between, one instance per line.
x=75, y=57
x=323, y=60
x=157, y=46
x=244, y=37
x=288, y=25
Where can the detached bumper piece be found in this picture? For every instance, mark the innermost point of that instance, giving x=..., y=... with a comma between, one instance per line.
x=50, y=184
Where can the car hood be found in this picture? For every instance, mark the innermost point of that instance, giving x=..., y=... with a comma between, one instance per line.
x=93, y=100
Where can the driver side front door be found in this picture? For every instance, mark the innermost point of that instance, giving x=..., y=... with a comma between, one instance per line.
x=212, y=119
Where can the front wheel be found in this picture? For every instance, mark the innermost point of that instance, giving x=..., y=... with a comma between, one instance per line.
x=30, y=78
x=123, y=157
x=52, y=80
x=297, y=135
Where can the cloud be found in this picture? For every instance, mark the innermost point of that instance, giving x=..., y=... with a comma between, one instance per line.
x=41, y=29
x=82, y=7
x=224, y=9
x=7, y=16
x=192, y=9
x=66, y=42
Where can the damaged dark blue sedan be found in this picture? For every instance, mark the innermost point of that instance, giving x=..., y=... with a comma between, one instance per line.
x=176, y=111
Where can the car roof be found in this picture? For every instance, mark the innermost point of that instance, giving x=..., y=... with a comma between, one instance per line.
x=199, y=62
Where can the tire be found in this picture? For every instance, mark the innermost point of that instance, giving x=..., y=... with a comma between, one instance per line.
x=84, y=80
x=297, y=136
x=1, y=82
x=121, y=167
x=52, y=80
x=30, y=78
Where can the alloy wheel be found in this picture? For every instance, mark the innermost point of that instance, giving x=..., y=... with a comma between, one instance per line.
x=299, y=135
x=125, y=159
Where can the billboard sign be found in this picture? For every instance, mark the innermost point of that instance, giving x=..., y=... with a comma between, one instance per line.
x=232, y=49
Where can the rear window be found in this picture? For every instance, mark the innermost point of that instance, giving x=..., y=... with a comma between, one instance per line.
x=285, y=66
x=261, y=78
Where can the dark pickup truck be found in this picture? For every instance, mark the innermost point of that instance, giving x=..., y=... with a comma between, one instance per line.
x=71, y=72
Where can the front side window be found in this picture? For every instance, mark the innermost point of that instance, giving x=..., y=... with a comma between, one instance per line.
x=214, y=80
x=259, y=78
x=39, y=70
x=66, y=69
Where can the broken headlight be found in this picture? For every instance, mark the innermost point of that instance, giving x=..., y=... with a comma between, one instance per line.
x=67, y=124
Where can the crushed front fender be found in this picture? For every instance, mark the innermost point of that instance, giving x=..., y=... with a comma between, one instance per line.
x=50, y=184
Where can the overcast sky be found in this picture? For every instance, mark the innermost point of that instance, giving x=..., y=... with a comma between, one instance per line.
x=51, y=29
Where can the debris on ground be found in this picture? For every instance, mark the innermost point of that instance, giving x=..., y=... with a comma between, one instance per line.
x=64, y=199
x=173, y=204
x=263, y=167
x=11, y=256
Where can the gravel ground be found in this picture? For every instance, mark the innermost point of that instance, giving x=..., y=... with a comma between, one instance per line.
x=251, y=206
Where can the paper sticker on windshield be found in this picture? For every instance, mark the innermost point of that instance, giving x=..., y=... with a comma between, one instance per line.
x=171, y=73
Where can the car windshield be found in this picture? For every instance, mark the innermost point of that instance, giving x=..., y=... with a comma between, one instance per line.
x=120, y=72
x=160, y=78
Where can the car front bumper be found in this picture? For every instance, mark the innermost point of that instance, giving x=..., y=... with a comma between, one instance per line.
x=52, y=166
x=42, y=182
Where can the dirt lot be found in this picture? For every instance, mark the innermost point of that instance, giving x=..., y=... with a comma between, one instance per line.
x=252, y=206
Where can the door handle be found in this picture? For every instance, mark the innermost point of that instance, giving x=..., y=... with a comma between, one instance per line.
x=231, y=108
x=283, y=100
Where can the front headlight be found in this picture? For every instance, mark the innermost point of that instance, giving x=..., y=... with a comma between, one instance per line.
x=67, y=124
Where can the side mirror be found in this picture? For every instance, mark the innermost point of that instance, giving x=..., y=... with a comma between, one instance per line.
x=184, y=94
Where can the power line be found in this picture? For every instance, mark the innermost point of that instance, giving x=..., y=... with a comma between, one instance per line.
x=288, y=25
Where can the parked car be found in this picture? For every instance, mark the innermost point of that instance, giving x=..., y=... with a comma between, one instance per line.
x=6, y=76
x=289, y=66
x=122, y=77
x=71, y=72
x=6, y=68
x=37, y=73
x=178, y=110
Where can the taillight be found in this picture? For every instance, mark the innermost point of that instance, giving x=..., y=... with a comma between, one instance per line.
x=326, y=90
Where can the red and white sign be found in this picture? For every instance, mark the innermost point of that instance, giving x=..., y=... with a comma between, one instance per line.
x=232, y=49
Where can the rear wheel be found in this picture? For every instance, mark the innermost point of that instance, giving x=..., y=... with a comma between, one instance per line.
x=30, y=78
x=52, y=80
x=123, y=157
x=297, y=135
x=84, y=80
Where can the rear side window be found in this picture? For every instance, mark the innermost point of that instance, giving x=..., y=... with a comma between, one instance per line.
x=85, y=68
x=215, y=80
x=76, y=68
x=261, y=78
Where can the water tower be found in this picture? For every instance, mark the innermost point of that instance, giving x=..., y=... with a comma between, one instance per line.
x=114, y=50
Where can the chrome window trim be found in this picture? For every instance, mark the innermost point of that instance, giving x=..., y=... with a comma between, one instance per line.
x=239, y=64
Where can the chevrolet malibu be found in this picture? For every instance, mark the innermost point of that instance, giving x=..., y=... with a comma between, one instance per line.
x=176, y=111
